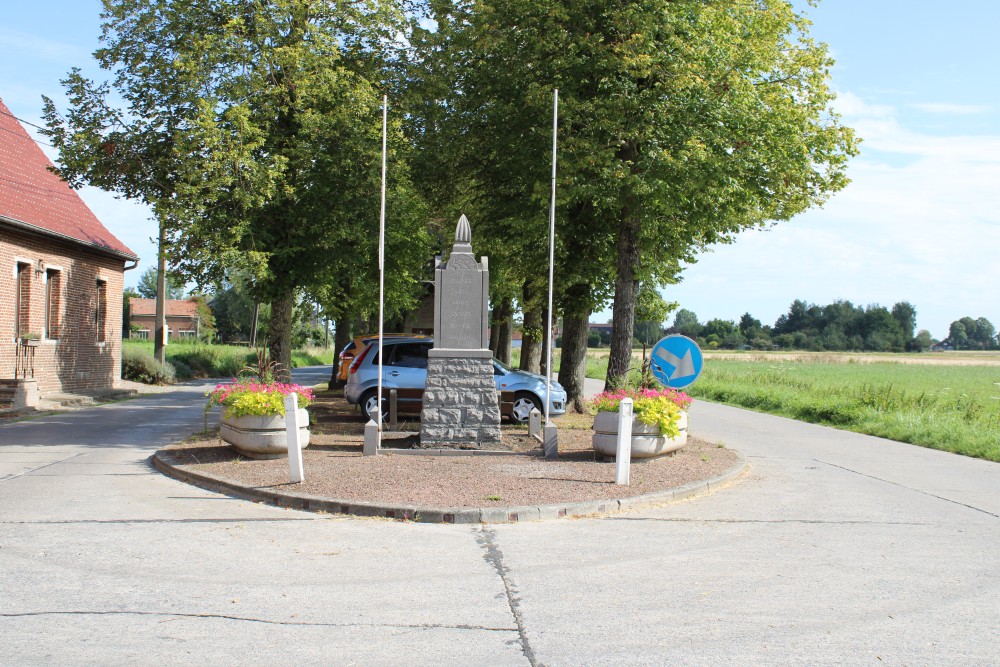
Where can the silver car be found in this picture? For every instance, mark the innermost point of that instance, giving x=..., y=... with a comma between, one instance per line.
x=404, y=368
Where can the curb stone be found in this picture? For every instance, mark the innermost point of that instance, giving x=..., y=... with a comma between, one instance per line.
x=167, y=464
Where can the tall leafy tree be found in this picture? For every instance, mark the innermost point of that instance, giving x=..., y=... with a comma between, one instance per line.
x=682, y=122
x=906, y=314
x=686, y=323
x=147, y=285
x=252, y=128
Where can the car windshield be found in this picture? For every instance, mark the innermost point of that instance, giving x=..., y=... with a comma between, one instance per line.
x=502, y=366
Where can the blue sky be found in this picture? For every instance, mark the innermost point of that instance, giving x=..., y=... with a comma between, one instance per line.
x=920, y=221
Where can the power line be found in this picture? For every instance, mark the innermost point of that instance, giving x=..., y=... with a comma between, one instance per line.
x=19, y=135
x=21, y=120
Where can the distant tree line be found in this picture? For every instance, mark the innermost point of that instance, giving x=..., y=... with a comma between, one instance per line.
x=839, y=326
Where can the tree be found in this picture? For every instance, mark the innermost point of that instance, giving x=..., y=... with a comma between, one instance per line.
x=750, y=327
x=922, y=341
x=906, y=315
x=206, y=319
x=681, y=123
x=975, y=334
x=147, y=285
x=128, y=294
x=253, y=130
x=686, y=323
x=651, y=312
x=958, y=336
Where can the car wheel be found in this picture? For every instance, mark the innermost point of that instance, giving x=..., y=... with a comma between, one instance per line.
x=523, y=405
x=369, y=405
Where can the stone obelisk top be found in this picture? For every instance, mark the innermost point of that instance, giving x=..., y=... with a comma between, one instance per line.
x=461, y=296
x=463, y=236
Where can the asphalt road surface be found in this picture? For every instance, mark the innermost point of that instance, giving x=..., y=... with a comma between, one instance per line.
x=834, y=548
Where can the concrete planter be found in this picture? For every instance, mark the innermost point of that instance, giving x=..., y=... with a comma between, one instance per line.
x=262, y=437
x=646, y=440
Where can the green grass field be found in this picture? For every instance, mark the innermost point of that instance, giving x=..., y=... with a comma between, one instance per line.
x=953, y=408
x=943, y=401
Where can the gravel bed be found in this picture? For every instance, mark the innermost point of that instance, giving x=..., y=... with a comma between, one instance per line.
x=334, y=468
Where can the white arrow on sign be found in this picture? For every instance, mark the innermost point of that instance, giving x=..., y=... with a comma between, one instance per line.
x=683, y=366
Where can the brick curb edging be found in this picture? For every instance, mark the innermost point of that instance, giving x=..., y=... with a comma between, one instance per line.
x=166, y=464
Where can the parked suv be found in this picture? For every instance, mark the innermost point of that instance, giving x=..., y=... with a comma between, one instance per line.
x=355, y=347
x=404, y=368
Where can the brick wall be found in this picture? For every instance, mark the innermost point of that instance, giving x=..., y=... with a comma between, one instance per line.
x=65, y=288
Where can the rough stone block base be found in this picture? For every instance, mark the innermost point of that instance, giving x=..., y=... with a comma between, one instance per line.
x=460, y=409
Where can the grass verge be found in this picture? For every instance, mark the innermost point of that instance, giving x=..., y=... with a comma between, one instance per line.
x=198, y=360
x=955, y=409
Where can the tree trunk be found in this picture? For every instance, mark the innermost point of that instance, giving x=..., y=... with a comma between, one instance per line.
x=573, y=362
x=531, y=341
x=500, y=331
x=341, y=337
x=626, y=289
x=280, y=343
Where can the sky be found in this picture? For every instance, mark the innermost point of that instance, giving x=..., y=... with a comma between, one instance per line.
x=920, y=221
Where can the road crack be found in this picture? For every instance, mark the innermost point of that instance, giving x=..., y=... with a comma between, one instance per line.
x=494, y=556
x=910, y=488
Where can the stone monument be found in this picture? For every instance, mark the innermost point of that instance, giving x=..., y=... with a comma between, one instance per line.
x=460, y=408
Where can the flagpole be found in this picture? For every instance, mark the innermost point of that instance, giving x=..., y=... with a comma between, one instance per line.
x=381, y=268
x=552, y=252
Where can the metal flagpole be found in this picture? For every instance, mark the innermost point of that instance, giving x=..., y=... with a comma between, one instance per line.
x=552, y=253
x=381, y=269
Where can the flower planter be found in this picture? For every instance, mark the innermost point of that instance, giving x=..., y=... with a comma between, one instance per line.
x=646, y=440
x=262, y=437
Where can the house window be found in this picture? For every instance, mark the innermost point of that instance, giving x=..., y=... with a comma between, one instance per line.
x=141, y=333
x=53, y=282
x=22, y=292
x=101, y=310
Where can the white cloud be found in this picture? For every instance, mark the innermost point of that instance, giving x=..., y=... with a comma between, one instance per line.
x=952, y=109
x=924, y=228
x=39, y=48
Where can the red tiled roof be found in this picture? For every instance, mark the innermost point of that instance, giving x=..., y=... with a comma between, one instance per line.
x=174, y=307
x=36, y=198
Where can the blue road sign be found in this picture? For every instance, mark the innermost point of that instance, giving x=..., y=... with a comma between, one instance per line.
x=676, y=361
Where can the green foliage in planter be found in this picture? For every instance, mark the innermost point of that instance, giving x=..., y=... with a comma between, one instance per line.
x=252, y=398
x=657, y=407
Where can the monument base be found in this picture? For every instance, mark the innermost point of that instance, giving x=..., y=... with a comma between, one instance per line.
x=460, y=409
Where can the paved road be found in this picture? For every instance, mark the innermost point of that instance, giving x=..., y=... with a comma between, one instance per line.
x=835, y=549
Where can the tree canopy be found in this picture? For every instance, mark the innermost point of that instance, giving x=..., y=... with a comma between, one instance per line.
x=681, y=123
x=253, y=130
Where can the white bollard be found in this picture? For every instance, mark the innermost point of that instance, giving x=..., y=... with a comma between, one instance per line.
x=294, y=438
x=623, y=456
x=535, y=424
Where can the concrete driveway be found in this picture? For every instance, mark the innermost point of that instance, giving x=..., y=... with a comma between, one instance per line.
x=834, y=549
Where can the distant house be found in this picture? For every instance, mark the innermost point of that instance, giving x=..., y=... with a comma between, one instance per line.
x=181, y=315
x=61, y=276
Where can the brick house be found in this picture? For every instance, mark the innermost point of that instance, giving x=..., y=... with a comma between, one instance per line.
x=61, y=277
x=181, y=315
